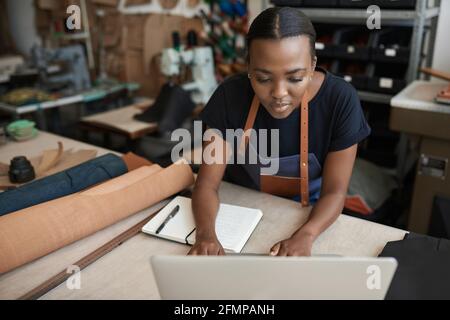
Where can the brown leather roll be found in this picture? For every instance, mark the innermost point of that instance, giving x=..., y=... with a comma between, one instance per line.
x=33, y=232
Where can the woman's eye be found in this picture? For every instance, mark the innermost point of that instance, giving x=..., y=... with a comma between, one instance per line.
x=262, y=80
x=294, y=80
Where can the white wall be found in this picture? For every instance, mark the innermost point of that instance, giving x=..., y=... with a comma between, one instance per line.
x=441, y=59
x=181, y=9
x=22, y=25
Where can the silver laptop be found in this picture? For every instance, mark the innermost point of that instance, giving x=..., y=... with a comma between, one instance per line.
x=268, y=278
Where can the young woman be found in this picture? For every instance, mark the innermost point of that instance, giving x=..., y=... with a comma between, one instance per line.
x=320, y=123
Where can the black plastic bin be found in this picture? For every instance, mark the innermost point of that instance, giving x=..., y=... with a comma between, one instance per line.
x=396, y=4
x=287, y=3
x=320, y=3
x=325, y=46
x=354, y=72
x=392, y=45
x=386, y=4
x=326, y=63
x=353, y=43
x=386, y=77
x=355, y=3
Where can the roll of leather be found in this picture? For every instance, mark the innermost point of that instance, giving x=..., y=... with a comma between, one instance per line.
x=33, y=232
x=63, y=183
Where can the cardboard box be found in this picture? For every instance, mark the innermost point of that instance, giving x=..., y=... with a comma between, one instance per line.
x=109, y=3
x=134, y=72
x=49, y=4
x=137, y=2
x=134, y=31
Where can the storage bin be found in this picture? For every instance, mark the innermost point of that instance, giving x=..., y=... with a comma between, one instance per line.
x=324, y=40
x=320, y=3
x=386, y=77
x=353, y=43
x=353, y=72
x=287, y=3
x=355, y=3
x=396, y=4
x=386, y=4
x=326, y=63
x=392, y=45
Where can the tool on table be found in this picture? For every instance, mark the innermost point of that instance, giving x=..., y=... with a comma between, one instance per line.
x=21, y=170
x=444, y=95
x=169, y=217
x=22, y=130
x=25, y=96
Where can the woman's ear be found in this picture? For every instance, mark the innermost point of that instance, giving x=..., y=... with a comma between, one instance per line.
x=314, y=64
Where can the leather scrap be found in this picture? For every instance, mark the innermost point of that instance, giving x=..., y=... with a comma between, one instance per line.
x=50, y=162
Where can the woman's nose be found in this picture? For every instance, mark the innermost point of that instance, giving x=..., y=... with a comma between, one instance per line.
x=279, y=91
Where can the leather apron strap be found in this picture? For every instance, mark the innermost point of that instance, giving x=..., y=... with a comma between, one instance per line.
x=304, y=179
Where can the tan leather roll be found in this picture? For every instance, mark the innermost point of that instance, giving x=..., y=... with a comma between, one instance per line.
x=33, y=232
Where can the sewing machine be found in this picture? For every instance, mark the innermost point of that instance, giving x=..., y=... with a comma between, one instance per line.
x=73, y=75
x=200, y=60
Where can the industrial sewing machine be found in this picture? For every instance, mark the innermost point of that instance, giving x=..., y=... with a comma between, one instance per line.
x=200, y=61
x=191, y=81
x=73, y=74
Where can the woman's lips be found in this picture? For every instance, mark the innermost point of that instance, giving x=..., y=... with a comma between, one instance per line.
x=280, y=108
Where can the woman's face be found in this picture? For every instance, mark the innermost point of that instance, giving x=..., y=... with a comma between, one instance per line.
x=280, y=71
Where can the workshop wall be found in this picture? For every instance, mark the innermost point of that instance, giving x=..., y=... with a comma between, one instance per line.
x=442, y=45
x=132, y=32
x=22, y=26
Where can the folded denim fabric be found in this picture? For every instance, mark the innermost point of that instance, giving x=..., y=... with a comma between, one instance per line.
x=63, y=183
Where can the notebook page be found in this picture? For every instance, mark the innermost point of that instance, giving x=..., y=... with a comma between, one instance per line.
x=234, y=225
x=180, y=226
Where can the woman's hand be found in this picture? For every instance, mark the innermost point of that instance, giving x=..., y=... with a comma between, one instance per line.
x=299, y=244
x=209, y=246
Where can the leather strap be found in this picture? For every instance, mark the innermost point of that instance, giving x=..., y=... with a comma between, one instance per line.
x=304, y=179
x=249, y=123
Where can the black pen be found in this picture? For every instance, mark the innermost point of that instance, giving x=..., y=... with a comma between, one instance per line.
x=170, y=216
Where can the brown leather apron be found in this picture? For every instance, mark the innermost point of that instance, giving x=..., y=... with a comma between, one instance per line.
x=280, y=185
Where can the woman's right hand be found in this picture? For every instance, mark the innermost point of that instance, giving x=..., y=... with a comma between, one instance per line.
x=207, y=247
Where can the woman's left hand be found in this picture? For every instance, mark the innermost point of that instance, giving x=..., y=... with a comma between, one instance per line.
x=299, y=244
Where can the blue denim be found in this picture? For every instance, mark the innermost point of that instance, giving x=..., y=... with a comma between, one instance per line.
x=63, y=183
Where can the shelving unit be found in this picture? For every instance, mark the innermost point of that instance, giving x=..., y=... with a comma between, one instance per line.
x=421, y=19
x=358, y=16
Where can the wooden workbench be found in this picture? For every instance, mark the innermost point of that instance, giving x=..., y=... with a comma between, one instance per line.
x=125, y=273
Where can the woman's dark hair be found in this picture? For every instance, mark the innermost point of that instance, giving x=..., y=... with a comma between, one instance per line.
x=282, y=22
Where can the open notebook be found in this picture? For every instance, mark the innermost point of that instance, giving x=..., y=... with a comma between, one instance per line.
x=234, y=224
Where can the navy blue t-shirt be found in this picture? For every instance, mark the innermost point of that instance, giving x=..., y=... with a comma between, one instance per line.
x=336, y=119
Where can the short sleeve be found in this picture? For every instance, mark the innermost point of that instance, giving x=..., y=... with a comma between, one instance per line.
x=214, y=115
x=350, y=126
